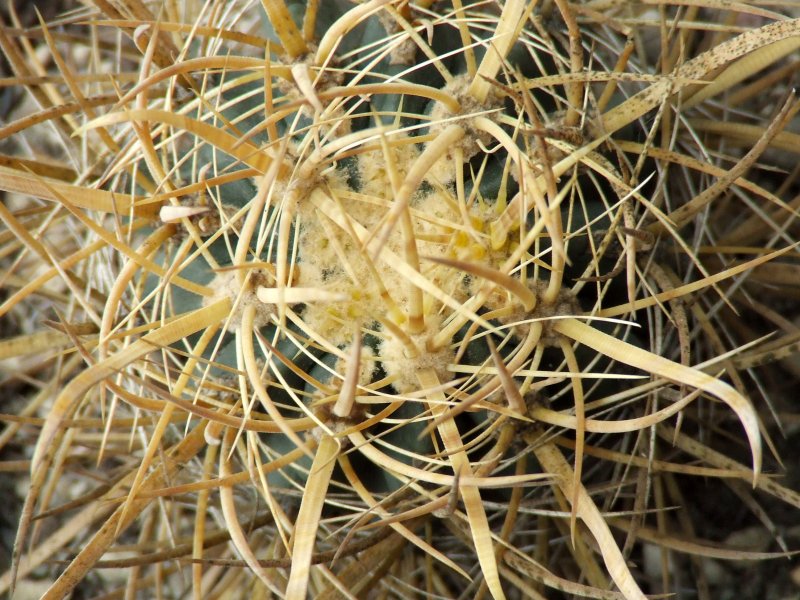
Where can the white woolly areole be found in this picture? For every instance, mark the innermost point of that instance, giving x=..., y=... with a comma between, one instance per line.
x=228, y=284
x=403, y=368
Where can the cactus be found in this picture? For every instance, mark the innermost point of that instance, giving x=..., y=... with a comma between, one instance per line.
x=352, y=294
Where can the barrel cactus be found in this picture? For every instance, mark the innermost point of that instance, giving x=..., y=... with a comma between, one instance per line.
x=385, y=298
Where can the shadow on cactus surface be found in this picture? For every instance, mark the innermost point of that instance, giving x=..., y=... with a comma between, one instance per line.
x=389, y=299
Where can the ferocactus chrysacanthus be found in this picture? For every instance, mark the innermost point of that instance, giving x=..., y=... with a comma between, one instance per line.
x=367, y=258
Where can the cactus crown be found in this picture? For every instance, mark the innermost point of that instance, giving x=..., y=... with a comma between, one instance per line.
x=381, y=272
